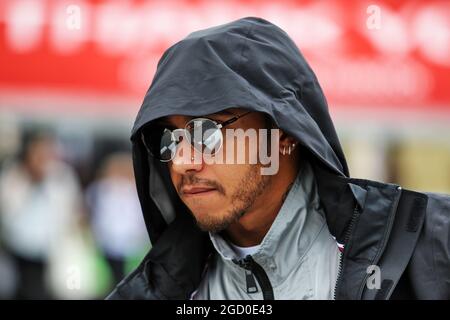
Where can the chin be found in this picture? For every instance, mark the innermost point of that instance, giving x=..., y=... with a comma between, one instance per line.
x=213, y=223
x=206, y=215
x=206, y=207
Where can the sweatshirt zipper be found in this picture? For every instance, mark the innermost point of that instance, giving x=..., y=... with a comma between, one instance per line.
x=255, y=269
x=346, y=238
x=250, y=281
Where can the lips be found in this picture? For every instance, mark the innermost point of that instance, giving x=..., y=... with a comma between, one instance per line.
x=195, y=191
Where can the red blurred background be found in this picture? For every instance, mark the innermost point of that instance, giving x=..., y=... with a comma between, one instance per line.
x=401, y=63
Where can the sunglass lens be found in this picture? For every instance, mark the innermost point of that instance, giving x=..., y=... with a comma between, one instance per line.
x=205, y=135
x=167, y=146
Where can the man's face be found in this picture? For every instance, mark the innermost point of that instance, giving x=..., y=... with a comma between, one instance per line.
x=219, y=194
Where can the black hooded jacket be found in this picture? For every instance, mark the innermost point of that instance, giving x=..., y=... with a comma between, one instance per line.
x=253, y=64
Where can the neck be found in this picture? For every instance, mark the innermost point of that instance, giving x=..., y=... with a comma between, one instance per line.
x=251, y=229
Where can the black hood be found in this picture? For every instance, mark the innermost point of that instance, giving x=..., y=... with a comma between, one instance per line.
x=248, y=63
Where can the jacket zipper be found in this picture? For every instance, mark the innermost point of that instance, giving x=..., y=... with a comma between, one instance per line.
x=261, y=276
x=346, y=238
x=250, y=282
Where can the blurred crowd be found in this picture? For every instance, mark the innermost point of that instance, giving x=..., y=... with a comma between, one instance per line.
x=67, y=229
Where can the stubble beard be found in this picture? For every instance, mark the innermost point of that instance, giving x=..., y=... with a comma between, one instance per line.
x=251, y=186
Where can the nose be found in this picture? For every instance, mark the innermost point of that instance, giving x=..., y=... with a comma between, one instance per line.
x=187, y=158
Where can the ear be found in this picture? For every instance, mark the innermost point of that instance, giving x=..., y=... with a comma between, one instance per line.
x=287, y=143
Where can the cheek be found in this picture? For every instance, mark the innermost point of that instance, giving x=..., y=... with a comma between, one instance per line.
x=176, y=178
x=230, y=176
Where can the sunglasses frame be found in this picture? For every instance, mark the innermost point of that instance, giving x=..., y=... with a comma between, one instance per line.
x=218, y=124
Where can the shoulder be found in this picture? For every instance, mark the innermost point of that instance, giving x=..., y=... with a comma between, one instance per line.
x=437, y=219
x=431, y=259
x=137, y=285
x=438, y=202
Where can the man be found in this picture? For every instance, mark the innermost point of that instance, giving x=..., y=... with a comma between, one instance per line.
x=39, y=204
x=225, y=230
x=115, y=214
